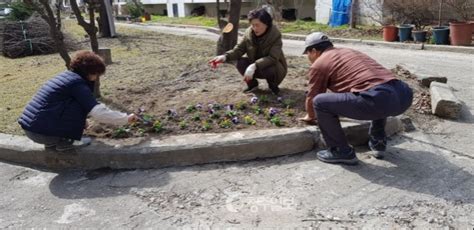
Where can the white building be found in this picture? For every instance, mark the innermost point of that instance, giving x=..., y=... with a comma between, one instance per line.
x=183, y=8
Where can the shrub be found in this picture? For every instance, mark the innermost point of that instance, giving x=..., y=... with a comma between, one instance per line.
x=20, y=11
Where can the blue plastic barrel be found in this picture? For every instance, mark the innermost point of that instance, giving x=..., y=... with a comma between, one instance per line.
x=441, y=35
x=404, y=32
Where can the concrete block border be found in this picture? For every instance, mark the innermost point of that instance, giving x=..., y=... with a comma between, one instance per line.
x=191, y=149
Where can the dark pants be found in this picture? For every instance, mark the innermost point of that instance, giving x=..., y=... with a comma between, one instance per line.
x=49, y=141
x=268, y=73
x=376, y=104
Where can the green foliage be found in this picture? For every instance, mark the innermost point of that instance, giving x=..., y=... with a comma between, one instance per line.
x=190, y=108
x=289, y=112
x=300, y=25
x=276, y=120
x=241, y=105
x=134, y=10
x=226, y=123
x=158, y=126
x=258, y=110
x=183, y=124
x=263, y=99
x=20, y=11
x=121, y=132
x=231, y=113
x=206, y=126
x=197, y=21
x=215, y=115
x=141, y=132
x=288, y=103
x=196, y=117
x=249, y=120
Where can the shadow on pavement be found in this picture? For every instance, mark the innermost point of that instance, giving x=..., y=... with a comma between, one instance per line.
x=422, y=172
x=104, y=182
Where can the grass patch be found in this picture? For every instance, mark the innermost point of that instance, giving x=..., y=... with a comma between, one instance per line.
x=195, y=21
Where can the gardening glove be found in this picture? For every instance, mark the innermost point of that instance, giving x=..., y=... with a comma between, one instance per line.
x=249, y=72
x=220, y=59
x=132, y=118
x=215, y=61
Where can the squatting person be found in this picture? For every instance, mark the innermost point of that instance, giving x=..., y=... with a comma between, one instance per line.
x=264, y=59
x=57, y=114
x=360, y=88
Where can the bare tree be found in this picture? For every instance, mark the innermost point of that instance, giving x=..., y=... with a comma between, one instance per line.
x=227, y=41
x=90, y=29
x=464, y=8
x=46, y=13
x=353, y=19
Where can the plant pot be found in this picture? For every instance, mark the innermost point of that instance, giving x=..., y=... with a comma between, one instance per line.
x=461, y=33
x=404, y=32
x=420, y=36
x=147, y=16
x=441, y=35
x=390, y=33
x=472, y=28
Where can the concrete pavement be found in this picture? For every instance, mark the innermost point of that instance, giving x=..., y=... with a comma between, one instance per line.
x=425, y=182
x=417, y=186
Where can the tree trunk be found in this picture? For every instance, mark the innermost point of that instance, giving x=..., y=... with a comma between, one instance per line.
x=91, y=30
x=103, y=21
x=353, y=18
x=227, y=41
x=54, y=27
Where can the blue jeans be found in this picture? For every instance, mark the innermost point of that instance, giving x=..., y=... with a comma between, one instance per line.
x=376, y=104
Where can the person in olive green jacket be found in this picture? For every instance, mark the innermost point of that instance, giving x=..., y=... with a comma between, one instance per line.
x=264, y=59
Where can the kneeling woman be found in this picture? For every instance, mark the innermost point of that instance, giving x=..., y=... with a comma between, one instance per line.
x=56, y=116
x=265, y=59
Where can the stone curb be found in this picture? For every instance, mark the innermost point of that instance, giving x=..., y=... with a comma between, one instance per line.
x=397, y=45
x=191, y=149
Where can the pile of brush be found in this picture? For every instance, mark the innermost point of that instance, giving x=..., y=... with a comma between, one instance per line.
x=27, y=38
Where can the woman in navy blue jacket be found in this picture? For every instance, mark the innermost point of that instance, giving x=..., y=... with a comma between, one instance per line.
x=57, y=114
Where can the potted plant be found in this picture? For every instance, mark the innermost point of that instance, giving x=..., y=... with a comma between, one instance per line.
x=390, y=31
x=440, y=33
x=461, y=31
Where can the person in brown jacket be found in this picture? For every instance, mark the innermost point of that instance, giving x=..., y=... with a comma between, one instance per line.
x=264, y=59
x=360, y=88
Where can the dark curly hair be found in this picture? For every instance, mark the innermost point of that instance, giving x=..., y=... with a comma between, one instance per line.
x=262, y=15
x=86, y=63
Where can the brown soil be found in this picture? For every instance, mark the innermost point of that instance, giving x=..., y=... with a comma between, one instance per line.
x=163, y=78
x=171, y=73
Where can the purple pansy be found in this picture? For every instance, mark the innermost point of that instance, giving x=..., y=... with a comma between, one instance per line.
x=272, y=112
x=235, y=120
x=254, y=100
x=172, y=113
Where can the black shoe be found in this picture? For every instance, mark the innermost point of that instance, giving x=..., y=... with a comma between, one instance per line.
x=50, y=147
x=334, y=155
x=275, y=91
x=250, y=89
x=378, y=147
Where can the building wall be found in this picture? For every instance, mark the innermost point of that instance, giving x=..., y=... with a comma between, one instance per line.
x=157, y=9
x=323, y=11
x=307, y=9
